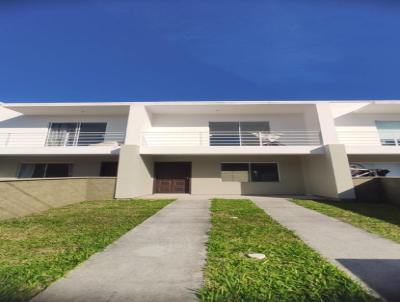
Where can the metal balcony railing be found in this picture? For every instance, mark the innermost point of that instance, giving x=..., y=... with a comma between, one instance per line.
x=369, y=138
x=60, y=139
x=228, y=138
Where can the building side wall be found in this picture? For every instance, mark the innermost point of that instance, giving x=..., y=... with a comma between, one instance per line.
x=206, y=175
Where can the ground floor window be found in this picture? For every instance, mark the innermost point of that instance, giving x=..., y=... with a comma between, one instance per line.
x=109, y=168
x=42, y=170
x=250, y=172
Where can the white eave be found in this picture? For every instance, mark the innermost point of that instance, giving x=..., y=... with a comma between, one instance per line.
x=122, y=108
x=69, y=108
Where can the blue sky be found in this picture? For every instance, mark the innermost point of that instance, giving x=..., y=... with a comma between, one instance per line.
x=124, y=50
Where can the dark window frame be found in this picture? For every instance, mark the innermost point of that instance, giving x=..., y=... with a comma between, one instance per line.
x=46, y=165
x=249, y=170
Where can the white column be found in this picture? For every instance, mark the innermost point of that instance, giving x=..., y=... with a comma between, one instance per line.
x=139, y=120
x=339, y=162
x=328, y=175
x=326, y=123
x=135, y=173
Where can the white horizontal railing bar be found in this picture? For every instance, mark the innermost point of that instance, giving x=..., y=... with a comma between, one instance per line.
x=62, y=139
x=230, y=138
x=228, y=132
x=370, y=137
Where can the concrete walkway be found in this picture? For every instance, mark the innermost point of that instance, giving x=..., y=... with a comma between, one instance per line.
x=159, y=260
x=372, y=259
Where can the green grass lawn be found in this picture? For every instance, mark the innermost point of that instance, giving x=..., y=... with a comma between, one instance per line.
x=378, y=218
x=39, y=249
x=291, y=270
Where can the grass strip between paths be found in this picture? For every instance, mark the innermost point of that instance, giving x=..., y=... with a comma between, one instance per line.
x=378, y=218
x=39, y=249
x=291, y=271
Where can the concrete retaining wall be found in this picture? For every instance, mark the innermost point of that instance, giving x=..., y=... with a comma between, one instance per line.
x=24, y=197
x=377, y=189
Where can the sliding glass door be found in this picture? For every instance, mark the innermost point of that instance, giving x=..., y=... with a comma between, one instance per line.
x=224, y=134
x=62, y=134
x=237, y=133
x=91, y=133
x=251, y=132
x=76, y=134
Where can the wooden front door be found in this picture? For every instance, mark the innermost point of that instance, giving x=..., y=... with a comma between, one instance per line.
x=172, y=177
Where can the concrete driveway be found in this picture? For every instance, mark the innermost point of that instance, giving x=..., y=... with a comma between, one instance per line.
x=159, y=260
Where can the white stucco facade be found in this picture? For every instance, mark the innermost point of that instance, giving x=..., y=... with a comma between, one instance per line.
x=312, y=142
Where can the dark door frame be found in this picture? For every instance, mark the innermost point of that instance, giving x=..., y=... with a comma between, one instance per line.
x=188, y=181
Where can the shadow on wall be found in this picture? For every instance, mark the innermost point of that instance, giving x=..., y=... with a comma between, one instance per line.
x=377, y=189
x=382, y=275
x=22, y=122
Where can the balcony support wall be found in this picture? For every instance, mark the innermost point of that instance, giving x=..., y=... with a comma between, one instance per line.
x=326, y=123
x=135, y=173
x=139, y=120
x=328, y=175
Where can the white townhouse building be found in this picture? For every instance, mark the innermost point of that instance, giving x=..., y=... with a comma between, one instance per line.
x=224, y=147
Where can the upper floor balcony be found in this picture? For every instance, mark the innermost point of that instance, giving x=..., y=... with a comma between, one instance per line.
x=61, y=142
x=370, y=141
x=231, y=142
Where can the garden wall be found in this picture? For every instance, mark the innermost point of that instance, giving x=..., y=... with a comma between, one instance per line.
x=27, y=196
x=377, y=189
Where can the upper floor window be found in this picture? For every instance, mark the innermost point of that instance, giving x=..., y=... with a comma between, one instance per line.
x=236, y=133
x=389, y=132
x=75, y=134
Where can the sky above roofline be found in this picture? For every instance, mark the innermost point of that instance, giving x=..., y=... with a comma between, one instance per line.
x=94, y=50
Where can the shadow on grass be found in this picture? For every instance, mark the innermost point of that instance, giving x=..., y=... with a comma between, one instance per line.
x=387, y=212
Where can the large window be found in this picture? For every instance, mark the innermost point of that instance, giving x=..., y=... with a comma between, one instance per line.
x=236, y=133
x=250, y=172
x=76, y=134
x=42, y=170
x=389, y=132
